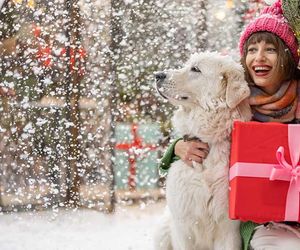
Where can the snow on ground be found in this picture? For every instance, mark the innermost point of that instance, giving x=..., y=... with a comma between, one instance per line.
x=130, y=228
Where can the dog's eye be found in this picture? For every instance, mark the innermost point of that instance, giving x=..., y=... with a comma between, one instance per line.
x=195, y=69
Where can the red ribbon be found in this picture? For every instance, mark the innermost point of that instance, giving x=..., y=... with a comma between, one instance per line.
x=290, y=172
x=133, y=153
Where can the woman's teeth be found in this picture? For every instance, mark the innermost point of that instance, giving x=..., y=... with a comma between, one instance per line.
x=261, y=68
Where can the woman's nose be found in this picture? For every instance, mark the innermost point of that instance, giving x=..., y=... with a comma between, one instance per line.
x=260, y=55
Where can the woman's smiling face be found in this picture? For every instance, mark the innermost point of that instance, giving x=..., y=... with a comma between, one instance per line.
x=261, y=61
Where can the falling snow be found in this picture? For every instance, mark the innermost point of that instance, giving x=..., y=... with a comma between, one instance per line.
x=81, y=125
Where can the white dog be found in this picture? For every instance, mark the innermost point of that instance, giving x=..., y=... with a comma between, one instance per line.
x=211, y=93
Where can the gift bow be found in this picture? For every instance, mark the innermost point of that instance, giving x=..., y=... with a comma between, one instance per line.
x=291, y=173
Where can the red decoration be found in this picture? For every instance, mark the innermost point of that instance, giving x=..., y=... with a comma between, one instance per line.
x=44, y=55
x=133, y=148
x=76, y=54
x=256, y=195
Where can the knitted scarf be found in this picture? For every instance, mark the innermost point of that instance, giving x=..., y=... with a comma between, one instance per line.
x=283, y=106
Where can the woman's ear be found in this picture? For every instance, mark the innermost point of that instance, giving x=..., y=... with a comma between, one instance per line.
x=237, y=88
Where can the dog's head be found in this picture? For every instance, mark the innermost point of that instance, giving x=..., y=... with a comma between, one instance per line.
x=208, y=80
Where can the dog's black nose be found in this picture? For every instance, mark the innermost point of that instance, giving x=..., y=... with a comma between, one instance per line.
x=160, y=76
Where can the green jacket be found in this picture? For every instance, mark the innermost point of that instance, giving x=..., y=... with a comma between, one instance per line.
x=246, y=228
x=168, y=158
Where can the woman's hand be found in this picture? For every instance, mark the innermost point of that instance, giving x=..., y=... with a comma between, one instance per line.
x=191, y=150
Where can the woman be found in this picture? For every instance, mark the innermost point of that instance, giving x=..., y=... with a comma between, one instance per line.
x=269, y=55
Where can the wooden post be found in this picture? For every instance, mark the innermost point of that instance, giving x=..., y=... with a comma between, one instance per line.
x=72, y=88
x=115, y=38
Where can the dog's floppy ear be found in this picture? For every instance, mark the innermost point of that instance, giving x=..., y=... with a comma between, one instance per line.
x=236, y=87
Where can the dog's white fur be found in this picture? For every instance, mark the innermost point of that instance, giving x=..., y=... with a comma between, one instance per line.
x=211, y=93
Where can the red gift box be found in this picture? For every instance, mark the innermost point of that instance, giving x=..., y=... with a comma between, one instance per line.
x=134, y=151
x=264, y=172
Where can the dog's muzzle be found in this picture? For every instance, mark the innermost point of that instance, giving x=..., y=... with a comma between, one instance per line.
x=160, y=76
x=165, y=89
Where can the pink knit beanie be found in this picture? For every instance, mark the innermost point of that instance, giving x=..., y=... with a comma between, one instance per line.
x=272, y=20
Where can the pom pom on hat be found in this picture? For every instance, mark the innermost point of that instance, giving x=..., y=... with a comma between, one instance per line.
x=274, y=9
x=272, y=20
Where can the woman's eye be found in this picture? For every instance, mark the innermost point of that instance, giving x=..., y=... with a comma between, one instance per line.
x=271, y=50
x=251, y=50
x=195, y=69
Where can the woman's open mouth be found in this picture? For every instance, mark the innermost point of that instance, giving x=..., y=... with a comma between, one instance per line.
x=261, y=70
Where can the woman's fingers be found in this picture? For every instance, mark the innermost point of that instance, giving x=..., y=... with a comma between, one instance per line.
x=193, y=150
x=197, y=148
x=193, y=158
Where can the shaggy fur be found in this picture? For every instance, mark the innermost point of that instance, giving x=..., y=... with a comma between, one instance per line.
x=210, y=92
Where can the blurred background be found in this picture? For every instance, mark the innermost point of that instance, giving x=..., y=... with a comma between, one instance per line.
x=81, y=124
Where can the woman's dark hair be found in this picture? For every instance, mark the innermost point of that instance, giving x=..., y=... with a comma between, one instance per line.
x=286, y=65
